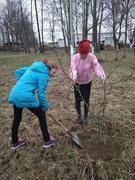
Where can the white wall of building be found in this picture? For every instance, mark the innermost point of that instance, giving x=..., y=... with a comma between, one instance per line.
x=61, y=43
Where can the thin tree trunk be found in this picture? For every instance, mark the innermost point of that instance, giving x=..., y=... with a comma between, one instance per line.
x=117, y=50
x=40, y=45
x=100, y=24
x=26, y=41
x=94, y=14
x=42, y=26
x=134, y=40
x=3, y=38
x=32, y=28
x=8, y=39
x=126, y=28
x=63, y=28
x=84, y=19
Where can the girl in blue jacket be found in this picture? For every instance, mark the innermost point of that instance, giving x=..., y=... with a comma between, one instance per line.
x=22, y=95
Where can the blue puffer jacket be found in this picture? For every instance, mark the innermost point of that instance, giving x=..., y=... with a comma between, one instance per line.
x=29, y=79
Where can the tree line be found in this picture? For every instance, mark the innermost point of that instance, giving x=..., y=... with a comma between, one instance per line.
x=29, y=22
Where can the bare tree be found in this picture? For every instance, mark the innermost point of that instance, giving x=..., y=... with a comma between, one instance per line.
x=26, y=38
x=77, y=20
x=101, y=18
x=127, y=7
x=39, y=36
x=10, y=24
x=52, y=28
x=42, y=25
x=95, y=24
x=51, y=20
x=115, y=21
x=62, y=13
x=96, y=11
x=134, y=40
x=16, y=26
x=85, y=7
x=6, y=28
x=34, y=43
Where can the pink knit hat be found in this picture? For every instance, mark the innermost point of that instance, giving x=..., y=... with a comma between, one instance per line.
x=84, y=46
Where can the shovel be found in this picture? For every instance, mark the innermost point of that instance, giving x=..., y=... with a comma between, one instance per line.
x=73, y=136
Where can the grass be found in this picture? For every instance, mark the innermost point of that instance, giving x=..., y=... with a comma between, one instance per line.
x=108, y=140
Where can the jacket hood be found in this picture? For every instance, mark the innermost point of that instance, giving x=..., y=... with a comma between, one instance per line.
x=40, y=67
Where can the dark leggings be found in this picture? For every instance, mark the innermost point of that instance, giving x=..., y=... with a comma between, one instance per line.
x=85, y=91
x=17, y=119
x=78, y=107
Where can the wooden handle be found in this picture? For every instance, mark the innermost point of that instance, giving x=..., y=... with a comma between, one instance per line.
x=59, y=123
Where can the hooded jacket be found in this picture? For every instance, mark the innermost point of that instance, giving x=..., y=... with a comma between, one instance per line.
x=82, y=70
x=30, y=79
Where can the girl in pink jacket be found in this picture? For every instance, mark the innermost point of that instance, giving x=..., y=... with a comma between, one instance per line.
x=83, y=66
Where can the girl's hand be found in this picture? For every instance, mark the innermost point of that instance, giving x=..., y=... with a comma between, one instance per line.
x=73, y=82
x=47, y=112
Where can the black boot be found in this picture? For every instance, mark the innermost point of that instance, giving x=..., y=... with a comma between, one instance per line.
x=86, y=119
x=79, y=120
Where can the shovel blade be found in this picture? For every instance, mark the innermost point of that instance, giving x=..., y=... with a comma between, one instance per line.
x=76, y=139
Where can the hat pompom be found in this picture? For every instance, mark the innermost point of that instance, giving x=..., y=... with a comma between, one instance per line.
x=84, y=46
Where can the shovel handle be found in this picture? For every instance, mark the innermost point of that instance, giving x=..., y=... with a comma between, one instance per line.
x=74, y=137
x=59, y=123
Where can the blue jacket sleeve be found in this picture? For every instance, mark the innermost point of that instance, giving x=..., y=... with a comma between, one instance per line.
x=19, y=72
x=42, y=86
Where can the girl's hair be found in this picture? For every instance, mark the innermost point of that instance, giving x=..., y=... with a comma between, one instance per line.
x=50, y=64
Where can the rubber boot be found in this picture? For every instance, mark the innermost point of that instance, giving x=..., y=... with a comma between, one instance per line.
x=79, y=120
x=86, y=119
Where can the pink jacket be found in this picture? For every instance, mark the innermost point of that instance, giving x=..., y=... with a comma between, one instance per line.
x=82, y=70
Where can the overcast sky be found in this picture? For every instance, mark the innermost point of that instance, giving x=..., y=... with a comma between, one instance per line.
x=47, y=38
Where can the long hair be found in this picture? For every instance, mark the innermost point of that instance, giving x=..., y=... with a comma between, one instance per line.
x=50, y=64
